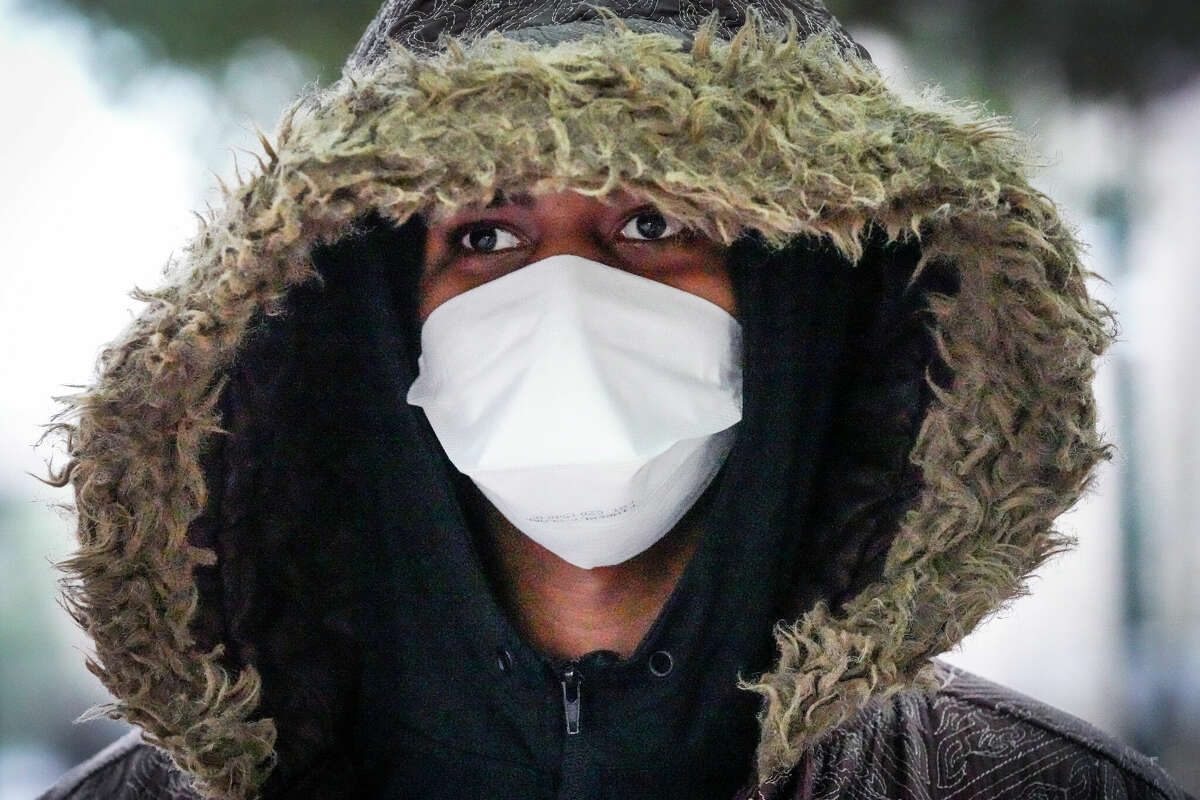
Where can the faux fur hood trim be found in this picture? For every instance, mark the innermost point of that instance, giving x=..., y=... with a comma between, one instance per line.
x=782, y=135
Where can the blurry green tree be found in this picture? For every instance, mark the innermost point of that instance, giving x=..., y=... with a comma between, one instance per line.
x=1101, y=49
x=204, y=34
x=1098, y=48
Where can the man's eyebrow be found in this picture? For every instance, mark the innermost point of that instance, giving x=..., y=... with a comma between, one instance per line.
x=524, y=199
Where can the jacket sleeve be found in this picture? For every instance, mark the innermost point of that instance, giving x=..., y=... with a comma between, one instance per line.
x=127, y=769
x=978, y=739
x=1101, y=766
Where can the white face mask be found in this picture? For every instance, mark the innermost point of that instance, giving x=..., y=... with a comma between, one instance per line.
x=590, y=405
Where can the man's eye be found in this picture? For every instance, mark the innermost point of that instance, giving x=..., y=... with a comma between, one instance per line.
x=649, y=226
x=483, y=239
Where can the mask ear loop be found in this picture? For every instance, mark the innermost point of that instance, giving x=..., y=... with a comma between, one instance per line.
x=793, y=302
x=744, y=256
x=405, y=290
x=405, y=286
x=716, y=510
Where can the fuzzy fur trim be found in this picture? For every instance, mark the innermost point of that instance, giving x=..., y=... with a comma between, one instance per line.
x=784, y=136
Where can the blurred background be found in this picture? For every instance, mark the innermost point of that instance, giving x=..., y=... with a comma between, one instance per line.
x=120, y=113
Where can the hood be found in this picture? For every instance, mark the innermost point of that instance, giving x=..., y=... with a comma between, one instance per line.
x=962, y=416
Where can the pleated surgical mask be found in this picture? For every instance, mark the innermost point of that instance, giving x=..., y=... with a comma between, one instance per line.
x=590, y=405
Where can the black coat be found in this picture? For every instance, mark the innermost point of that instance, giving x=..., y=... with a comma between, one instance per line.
x=973, y=738
x=277, y=563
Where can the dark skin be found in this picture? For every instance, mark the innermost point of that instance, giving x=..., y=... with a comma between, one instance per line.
x=565, y=610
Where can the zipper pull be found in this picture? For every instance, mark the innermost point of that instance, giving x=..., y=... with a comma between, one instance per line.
x=570, y=686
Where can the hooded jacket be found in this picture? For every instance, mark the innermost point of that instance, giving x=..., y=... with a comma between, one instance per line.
x=277, y=563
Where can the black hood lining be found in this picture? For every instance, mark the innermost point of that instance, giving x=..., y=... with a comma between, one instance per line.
x=316, y=388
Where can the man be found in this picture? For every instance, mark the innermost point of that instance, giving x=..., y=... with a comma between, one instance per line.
x=619, y=407
x=563, y=609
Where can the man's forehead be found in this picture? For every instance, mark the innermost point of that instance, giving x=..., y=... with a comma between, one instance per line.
x=441, y=214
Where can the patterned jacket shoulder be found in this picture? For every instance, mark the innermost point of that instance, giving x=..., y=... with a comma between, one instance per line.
x=979, y=740
x=127, y=769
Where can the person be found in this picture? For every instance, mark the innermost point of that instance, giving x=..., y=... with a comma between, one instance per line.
x=594, y=402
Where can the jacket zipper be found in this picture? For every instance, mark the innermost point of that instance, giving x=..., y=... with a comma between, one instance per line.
x=571, y=679
x=573, y=777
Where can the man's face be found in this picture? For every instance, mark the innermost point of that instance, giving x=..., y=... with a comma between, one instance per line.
x=475, y=246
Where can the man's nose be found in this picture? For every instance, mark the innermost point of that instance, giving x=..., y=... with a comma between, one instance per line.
x=574, y=244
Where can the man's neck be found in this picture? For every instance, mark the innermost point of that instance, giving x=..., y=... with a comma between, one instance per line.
x=567, y=611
